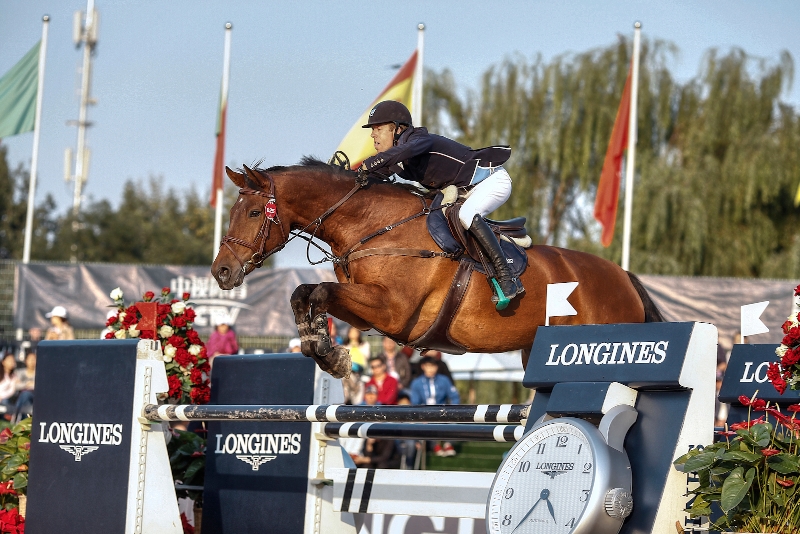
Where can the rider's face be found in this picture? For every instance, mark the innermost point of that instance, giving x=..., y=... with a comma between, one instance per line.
x=383, y=136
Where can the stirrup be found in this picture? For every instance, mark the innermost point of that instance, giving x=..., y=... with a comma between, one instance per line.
x=501, y=301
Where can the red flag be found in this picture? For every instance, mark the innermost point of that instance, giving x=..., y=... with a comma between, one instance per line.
x=219, y=158
x=605, y=204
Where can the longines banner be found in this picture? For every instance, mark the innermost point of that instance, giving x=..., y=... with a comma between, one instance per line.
x=259, y=307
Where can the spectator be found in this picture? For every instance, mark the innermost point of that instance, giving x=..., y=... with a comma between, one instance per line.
x=59, y=325
x=442, y=366
x=434, y=388
x=406, y=447
x=397, y=364
x=8, y=384
x=380, y=453
x=354, y=386
x=223, y=338
x=27, y=347
x=336, y=339
x=26, y=379
x=385, y=384
x=359, y=349
x=294, y=345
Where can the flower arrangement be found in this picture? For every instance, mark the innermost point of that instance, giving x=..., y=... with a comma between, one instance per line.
x=751, y=476
x=788, y=372
x=184, y=352
x=15, y=445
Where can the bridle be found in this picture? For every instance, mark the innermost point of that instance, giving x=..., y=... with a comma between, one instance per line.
x=258, y=244
x=271, y=216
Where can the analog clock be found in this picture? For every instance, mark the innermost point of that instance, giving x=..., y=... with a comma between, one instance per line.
x=561, y=477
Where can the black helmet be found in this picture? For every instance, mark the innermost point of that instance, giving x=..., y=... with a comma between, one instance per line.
x=388, y=111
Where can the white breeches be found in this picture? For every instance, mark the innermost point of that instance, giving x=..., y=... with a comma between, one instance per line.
x=486, y=197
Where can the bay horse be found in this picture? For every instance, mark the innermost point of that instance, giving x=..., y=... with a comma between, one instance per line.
x=391, y=274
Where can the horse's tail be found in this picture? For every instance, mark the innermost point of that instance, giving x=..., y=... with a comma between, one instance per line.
x=651, y=311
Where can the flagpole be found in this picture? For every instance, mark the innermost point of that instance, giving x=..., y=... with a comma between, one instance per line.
x=226, y=71
x=416, y=99
x=631, y=157
x=26, y=249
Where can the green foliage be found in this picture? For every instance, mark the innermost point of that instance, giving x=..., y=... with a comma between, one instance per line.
x=15, y=445
x=187, y=457
x=751, y=479
x=716, y=160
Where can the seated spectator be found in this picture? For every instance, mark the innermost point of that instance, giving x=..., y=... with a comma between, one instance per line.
x=223, y=338
x=359, y=349
x=406, y=447
x=385, y=384
x=378, y=453
x=26, y=378
x=59, y=324
x=434, y=388
x=294, y=345
x=8, y=383
x=397, y=364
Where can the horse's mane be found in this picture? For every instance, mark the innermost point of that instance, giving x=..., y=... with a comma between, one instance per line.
x=333, y=170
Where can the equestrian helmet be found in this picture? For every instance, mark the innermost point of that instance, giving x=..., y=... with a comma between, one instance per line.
x=388, y=111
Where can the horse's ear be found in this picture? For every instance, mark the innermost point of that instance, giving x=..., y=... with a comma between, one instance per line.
x=236, y=177
x=256, y=177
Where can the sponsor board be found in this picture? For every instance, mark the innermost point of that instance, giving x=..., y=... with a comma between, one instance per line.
x=256, y=449
x=79, y=439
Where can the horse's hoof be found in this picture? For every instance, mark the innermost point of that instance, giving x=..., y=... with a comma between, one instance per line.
x=338, y=362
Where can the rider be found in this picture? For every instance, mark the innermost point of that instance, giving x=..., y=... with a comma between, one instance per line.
x=437, y=162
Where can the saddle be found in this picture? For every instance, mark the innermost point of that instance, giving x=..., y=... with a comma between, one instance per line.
x=447, y=231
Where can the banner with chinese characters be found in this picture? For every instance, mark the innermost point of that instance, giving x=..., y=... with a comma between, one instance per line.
x=259, y=307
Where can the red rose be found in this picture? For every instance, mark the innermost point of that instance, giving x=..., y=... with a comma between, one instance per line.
x=791, y=357
x=179, y=321
x=110, y=335
x=184, y=358
x=786, y=326
x=193, y=336
x=797, y=291
x=164, y=309
x=165, y=291
x=196, y=376
x=147, y=297
x=147, y=334
x=190, y=315
x=176, y=341
x=201, y=395
x=174, y=386
x=173, y=301
x=770, y=452
x=205, y=366
x=112, y=320
x=186, y=296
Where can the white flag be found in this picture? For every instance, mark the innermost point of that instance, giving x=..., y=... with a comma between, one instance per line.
x=751, y=322
x=557, y=303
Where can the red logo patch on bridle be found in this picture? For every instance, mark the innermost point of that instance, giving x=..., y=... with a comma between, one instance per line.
x=271, y=209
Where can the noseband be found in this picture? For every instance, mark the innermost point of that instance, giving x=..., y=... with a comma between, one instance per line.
x=260, y=241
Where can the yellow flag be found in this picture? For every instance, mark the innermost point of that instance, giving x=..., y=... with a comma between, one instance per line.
x=357, y=144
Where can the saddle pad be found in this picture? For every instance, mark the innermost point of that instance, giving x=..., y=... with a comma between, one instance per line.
x=440, y=232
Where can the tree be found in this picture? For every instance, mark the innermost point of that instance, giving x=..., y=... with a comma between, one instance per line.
x=716, y=159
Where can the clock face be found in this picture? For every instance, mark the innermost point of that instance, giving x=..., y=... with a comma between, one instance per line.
x=544, y=483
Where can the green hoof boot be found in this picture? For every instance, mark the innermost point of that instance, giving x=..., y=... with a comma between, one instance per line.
x=500, y=300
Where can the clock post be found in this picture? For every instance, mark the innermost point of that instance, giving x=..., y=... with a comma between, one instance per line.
x=665, y=371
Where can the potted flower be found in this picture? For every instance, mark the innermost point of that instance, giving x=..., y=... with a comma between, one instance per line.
x=751, y=477
x=786, y=371
x=15, y=445
x=170, y=321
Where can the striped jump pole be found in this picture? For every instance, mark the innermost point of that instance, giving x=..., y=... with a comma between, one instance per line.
x=341, y=413
x=432, y=431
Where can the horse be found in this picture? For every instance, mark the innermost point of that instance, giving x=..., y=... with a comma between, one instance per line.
x=400, y=283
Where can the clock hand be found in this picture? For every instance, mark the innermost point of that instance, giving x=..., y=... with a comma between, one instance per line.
x=542, y=497
x=550, y=507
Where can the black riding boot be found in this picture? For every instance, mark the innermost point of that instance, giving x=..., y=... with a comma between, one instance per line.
x=509, y=285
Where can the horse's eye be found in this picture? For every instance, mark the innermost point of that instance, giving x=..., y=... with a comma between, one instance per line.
x=255, y=213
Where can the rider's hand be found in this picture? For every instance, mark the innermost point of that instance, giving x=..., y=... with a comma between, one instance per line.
x=362, y=175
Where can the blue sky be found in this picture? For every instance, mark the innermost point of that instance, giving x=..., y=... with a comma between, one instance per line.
x=302, y=72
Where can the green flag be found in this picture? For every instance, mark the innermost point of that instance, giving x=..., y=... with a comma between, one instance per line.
x=18, y=95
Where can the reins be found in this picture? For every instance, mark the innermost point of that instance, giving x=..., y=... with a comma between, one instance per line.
x=352, y=254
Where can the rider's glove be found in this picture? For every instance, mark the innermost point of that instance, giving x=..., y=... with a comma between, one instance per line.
x=362, y=175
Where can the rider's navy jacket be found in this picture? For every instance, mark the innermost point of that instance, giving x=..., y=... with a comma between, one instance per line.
x=433, y=160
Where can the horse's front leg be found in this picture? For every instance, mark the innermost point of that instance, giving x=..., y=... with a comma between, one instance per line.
x=302, y=318
x=361, y=305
